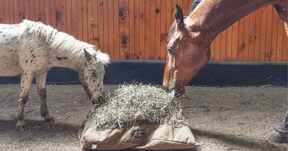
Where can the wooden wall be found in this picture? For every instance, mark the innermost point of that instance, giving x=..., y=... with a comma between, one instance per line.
x=136, y=29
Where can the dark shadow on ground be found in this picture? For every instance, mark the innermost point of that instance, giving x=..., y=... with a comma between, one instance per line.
x=241, y=140
x=38, y=128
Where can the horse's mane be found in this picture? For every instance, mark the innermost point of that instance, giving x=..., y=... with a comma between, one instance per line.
x=55, y=39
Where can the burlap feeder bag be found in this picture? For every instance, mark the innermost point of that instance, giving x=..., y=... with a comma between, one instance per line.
x=137, y=117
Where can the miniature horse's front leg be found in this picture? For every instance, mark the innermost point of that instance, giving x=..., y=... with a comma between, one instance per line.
x=42, y=92
x=26, y=81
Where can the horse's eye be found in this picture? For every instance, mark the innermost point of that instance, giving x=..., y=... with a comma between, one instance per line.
x=172, y=49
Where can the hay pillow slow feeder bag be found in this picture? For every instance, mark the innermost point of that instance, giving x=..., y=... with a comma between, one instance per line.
x=137, y=117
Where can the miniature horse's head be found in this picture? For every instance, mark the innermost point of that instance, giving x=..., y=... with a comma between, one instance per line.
x=92, y=73
x=186, y=54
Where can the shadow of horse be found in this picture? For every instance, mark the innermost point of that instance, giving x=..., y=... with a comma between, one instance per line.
x=36, y=128
x=244, y=141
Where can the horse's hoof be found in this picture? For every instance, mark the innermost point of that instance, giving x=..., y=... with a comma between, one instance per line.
x=281, y=135
x=280, y=138
x=20, y=126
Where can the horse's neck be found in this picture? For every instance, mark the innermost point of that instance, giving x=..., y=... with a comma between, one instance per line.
x=214, y=16
x=66, y=53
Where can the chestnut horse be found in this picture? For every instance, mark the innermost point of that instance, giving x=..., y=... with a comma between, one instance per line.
x=190, y=37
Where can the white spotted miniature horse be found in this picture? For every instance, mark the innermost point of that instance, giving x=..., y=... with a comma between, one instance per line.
x=32, y=48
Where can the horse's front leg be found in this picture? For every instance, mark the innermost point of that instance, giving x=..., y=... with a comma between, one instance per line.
x=26, y=81
x=282, y=10
x=282, y=130
x=42, y=92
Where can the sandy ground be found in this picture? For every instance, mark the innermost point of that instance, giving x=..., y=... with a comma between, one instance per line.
x=223, y=119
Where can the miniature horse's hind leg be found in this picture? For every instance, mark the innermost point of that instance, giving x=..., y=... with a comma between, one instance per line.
x=26, y=81
x=42, y=92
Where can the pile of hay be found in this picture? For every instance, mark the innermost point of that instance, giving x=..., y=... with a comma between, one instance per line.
x=132, y=104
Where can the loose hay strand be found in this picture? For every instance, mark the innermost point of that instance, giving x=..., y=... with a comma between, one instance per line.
x=131, y=104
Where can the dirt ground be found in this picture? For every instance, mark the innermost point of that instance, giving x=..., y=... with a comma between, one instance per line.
x=222, y=118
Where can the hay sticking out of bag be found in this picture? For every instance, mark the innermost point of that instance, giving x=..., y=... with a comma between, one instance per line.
x=131, y=104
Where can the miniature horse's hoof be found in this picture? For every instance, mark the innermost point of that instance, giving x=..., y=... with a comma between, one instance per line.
x=20, y=126
x=49, y=119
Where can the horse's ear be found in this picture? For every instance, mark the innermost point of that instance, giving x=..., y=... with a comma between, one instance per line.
x=88, y=56
x=179, y=15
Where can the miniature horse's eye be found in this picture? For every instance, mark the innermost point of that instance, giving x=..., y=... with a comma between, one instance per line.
x=94, y=74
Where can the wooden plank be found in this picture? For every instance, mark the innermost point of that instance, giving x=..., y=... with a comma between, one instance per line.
x=124, y=29
x=274, y=37
x=68, y=16
x=245, y=50
x=42, y=13
x=5, y=11
x=60, y=18
x=252, y=37
x=258, y=15
x=137, y=16
x=268, y=36
x=30, y=8
x=250, y=34
x=76, y=20
x=110, y=9
x=215, y=48
x=157, y=14
x=50, y=12
x=11, y=12
x=142, y=30
x=234, y=41
x=105, y=26
x=36, y=9
x=79, y=23
x=131, y=11
x=223, y=51
x=116, y=38
x=164, y=29
x=229, y=43
x=146, y=29
x=263, y=35
x=152, y=31
x=84, y=9
x=2, y=13
x=279, y=40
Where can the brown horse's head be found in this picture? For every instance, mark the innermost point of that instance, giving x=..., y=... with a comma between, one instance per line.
x=186, y=54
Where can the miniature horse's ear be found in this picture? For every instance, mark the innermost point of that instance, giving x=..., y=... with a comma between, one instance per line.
x=88, y=56
x=179, y=15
